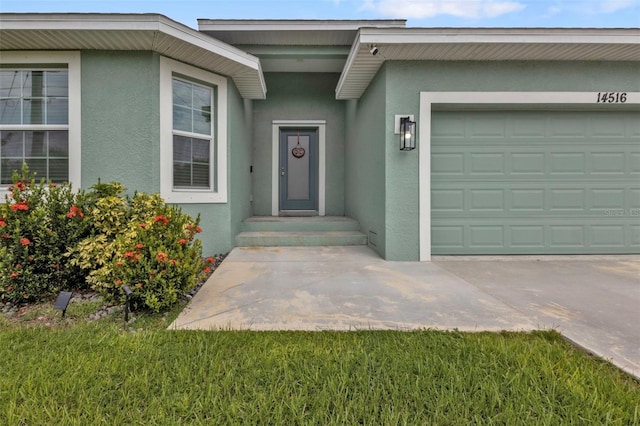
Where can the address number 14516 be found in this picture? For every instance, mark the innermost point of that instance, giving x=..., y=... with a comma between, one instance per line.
x=612, y=97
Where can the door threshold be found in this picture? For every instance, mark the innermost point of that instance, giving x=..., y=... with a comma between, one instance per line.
x=297, y=213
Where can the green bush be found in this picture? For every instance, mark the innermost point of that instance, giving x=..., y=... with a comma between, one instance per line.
x=53, y=238
x=39, y=221
x=143, y=243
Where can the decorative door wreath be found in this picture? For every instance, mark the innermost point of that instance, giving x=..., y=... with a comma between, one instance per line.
x=298, y=151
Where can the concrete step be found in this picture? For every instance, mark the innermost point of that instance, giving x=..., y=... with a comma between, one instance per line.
x=300, y=238
x=299, y=224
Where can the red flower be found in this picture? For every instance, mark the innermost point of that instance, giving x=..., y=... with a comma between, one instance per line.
x=20, y=206
x=142, y=225
x=139, y=246
x=118, y=282
x=198, y=229
x=207, y=270
x=131, y=256
x=14, y=274
x=162, y=257
x=161, y=218
x=3, y=223
x=182, y=241
x=173, y=262
x=25, y=241
x=209, y=260
x=10, y=287
x=75, y=211
x=119, y=263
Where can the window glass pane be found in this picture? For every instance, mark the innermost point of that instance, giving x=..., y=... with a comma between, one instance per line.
x=35, y=144
x=181, y=175
x=33, y=84
x=200, y=151
x=201, y=176
x=191, y=164
x=45, y=152
x=12, y=144
x=181, y=118
x=10, y=111
x=201, y=122
x=11, y=83
x=7, y=166
x=182, y=93
x=57, y=111
x=37, y=166
x=181, y=149
x=59, y=170
x=58, y=144
x=33, y=111
x=201, y=97
x=57, y=84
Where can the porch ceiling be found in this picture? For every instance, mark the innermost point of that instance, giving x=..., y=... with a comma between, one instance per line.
x=481, y=44
x=133, y=32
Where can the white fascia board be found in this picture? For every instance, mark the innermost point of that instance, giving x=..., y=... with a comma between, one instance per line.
x=195, y=38
x=294, y=24
x=353, y=54
x=489, y=36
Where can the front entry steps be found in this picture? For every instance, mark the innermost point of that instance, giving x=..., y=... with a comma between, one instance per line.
x=274, y=231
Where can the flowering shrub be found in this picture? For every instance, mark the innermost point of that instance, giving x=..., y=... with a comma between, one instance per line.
x=143, y=243
x=36, y=229
x=52, y=238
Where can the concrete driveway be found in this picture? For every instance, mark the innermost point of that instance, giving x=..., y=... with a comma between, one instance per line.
x=593, y=300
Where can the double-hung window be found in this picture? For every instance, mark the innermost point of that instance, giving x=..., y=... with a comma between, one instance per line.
x=193, y=142
x=193, y=134
x=37, y=124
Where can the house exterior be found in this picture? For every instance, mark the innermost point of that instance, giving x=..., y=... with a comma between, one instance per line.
x=528, y=140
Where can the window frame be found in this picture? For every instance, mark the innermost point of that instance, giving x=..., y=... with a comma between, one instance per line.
x=71, y=61
x=169, y=69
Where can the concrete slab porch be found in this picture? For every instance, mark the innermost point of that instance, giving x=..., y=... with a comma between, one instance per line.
x=592, y=300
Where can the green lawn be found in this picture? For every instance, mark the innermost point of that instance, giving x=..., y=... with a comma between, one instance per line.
x=102, y=373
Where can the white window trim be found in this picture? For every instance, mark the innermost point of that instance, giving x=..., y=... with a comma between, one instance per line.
x=72, y=60
x=277, y=125
x=428, y=99
x=169, y=67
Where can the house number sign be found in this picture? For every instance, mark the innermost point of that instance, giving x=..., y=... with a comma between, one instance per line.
x=612, y=97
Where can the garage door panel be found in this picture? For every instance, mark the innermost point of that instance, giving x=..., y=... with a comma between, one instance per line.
x=610, y=163
x=527, y=237
x=610, y=236
x=557, y=182
x=634, y=163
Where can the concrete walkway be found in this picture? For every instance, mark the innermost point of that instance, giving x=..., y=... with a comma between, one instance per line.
x=593, y=302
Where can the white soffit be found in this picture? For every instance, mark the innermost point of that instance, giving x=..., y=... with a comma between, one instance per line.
x=132, y=32
x=481, y=44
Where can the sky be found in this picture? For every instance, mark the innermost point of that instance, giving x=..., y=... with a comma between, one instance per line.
x=419, y=13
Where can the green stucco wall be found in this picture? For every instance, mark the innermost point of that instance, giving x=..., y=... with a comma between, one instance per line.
x=240, y=151
x=301, y=96
x=120, y=122
x=365, y=187
x=405, y=80
x=121, y=138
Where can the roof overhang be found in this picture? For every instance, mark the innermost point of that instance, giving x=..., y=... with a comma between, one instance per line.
x=134, y=32
x=290, y=32
x=480, y=44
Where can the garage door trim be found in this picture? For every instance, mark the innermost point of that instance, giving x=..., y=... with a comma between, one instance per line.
x=429, y=99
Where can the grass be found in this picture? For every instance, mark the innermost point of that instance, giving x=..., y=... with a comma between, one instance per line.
x=79, y=372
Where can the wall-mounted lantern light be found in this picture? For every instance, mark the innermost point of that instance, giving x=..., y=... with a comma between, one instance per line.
x=407, y=134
